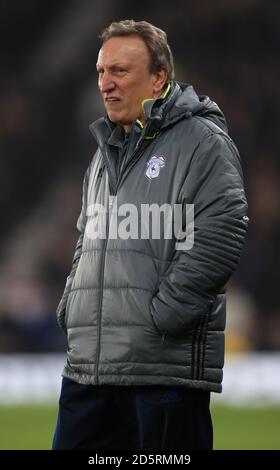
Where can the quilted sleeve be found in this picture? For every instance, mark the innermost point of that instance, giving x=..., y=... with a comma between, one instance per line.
x=214, y=184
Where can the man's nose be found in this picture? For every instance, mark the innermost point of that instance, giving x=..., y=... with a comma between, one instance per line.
x=106, y=83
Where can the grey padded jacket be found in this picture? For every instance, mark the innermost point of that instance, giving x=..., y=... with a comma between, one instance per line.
x=139, y=311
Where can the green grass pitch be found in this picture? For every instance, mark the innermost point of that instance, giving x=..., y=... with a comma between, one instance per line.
x=32, y=427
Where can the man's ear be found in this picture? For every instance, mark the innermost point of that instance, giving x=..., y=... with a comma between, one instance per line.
x=159, y=81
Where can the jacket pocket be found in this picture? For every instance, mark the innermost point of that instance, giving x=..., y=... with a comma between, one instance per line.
x=60, y=316
x=66, y=310
x=154, y=324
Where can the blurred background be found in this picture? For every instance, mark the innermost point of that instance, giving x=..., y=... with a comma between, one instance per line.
x=228, y=50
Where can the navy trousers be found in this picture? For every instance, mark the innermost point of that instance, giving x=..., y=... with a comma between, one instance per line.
x=132, y=417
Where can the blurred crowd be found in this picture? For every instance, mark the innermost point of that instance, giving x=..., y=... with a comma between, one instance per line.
x=48, y=96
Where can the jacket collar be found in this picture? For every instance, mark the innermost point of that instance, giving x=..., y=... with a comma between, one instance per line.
x=156, y=110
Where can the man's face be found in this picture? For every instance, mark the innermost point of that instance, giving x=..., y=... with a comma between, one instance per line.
x=125, y=79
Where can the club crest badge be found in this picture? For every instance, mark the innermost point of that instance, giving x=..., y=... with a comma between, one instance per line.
x=153, y=167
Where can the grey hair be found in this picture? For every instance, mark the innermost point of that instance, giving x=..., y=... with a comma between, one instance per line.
x=154, y=38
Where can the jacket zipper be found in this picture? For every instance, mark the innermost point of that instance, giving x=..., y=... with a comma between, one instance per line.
x=134, y=160
x=104, y=249
x=101, y=297
x=112, y=191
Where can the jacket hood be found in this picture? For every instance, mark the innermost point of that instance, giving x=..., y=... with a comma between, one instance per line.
x=191, y=104
x=187, y=103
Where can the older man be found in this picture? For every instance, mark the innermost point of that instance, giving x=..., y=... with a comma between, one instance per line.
x=144, y=313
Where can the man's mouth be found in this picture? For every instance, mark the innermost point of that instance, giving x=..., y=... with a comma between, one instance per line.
x=111, y=99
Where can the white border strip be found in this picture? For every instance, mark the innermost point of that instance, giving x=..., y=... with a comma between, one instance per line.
x=249, y=379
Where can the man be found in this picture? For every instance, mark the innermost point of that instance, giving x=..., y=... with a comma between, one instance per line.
x=145, y=314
